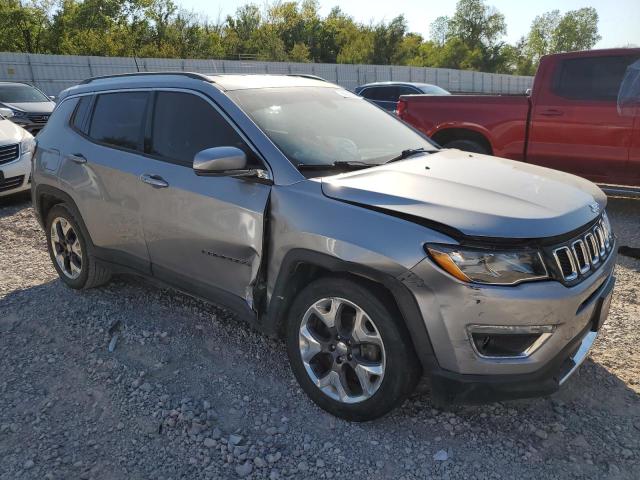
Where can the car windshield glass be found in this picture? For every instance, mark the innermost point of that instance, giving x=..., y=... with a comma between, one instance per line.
x=434, y=90
x=322, y=126
x=21, y=94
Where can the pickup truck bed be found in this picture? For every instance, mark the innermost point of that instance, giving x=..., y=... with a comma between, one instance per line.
x=573, y=120
x=499, y=121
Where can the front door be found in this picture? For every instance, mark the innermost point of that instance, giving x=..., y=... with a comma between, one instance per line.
x=204, y=234
x=575, y=124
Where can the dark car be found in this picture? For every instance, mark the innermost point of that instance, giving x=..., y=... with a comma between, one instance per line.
x=30, y=106
x=387, y=94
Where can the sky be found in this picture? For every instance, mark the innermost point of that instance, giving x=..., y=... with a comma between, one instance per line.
x=619, y=22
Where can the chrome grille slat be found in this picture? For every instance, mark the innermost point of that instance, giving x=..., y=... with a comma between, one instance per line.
x=581, y=256
x=9, y=153
x=586, y=252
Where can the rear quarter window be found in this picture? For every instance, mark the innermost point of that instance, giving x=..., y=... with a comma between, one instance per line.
x=79, y=116
x=591, y=78
x=118, y=119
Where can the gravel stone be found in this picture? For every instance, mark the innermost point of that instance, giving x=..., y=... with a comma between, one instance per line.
x=215, y=402
x=244, y=469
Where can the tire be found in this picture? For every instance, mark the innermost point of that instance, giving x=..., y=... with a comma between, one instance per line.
x=71, y=250
x=467, y=146
x=364, y=372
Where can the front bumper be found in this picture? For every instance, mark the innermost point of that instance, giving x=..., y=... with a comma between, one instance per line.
x=450, y=388
x=15, y=176
x=450, y=307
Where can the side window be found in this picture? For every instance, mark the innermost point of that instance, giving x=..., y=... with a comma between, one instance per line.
x=80, y=113
x=184, y=124
x=118, y=119
x=388, y=93
x=404, y=90
x=369, y=93
x=591, y=78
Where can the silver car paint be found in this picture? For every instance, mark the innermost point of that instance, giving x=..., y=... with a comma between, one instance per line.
x=448, y=306
x=477, y=194
x=301, y=215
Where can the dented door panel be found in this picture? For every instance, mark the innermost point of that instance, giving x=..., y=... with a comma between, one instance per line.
x=209, y=229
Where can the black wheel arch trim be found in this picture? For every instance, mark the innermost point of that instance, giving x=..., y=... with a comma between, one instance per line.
x=285, y=290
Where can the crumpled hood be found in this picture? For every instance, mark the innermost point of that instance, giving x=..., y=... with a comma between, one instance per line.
x=478, y=195
x=31, y=107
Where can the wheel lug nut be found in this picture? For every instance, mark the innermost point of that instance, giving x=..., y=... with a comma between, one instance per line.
x=350, y=357
x=339, y=359
x=332, y=347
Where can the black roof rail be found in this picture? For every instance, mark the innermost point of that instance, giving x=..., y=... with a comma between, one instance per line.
x=197, y=76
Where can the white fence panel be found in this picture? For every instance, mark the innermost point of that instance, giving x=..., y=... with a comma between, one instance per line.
x=53, y=73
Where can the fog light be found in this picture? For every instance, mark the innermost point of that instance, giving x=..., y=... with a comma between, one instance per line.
x=497, y=341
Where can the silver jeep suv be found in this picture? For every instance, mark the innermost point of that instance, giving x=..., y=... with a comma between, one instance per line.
x=321, y=218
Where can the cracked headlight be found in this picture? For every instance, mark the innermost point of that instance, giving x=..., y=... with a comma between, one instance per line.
x=489, y=266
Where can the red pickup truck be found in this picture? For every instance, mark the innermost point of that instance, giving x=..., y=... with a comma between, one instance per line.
x=572, y=120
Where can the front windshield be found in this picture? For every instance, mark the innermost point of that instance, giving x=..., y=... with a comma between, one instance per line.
x=21, y=94
x=321, y=126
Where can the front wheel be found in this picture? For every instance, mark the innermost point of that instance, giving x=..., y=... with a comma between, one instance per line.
x=349, y=350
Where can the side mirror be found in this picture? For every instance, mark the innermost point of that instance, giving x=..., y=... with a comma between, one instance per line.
x=6, y=112
x=52, y=98
x=219, y=161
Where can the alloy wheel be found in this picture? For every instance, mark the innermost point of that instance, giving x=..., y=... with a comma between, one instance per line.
x=342, y=350
x=66, y=247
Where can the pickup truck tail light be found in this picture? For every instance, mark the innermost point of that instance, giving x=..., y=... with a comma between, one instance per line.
x=401, y=108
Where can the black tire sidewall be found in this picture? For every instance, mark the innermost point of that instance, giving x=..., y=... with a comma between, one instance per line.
x=62, y=211
x=401, y=370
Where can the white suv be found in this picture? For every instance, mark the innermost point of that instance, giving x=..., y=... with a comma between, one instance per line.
x=16, y=148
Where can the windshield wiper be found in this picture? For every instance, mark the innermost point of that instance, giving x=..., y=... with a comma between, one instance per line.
x=338, y=164
x=410, y=152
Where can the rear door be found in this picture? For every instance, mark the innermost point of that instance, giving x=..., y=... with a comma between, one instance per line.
x=575, y=125
x=100, y=166
x=203, y=234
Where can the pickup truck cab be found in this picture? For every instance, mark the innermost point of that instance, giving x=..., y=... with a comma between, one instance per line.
x=570, y=121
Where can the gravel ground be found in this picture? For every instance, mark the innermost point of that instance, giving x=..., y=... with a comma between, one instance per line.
x=189, y=392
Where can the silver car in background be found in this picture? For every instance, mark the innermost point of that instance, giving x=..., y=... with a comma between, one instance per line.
x=320, y=218
x=30, y=106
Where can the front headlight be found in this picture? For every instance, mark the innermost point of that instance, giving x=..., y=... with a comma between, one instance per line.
x=27, y=145
x=18, y=113
x=489, y=266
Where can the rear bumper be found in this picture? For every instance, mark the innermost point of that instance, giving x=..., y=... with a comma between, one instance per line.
x=450, y=388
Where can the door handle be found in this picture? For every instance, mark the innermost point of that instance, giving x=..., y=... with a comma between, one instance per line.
x=552, y=112
x=154, y=180
x=77, y=158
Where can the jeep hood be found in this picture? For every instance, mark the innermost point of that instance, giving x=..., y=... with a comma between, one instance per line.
x=478, y=195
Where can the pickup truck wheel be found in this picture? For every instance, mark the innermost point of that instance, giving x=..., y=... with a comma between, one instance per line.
x=348, y=352
x=70, y=252
x=467, y=146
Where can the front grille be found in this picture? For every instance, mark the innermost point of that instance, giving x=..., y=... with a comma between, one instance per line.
x=38, y=118
x=581, y=256
x=11, y=183
x=8, y=153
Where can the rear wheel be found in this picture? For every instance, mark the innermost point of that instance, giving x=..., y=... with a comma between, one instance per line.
x=467, y=146
x=348, y=350
x=70, y=251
